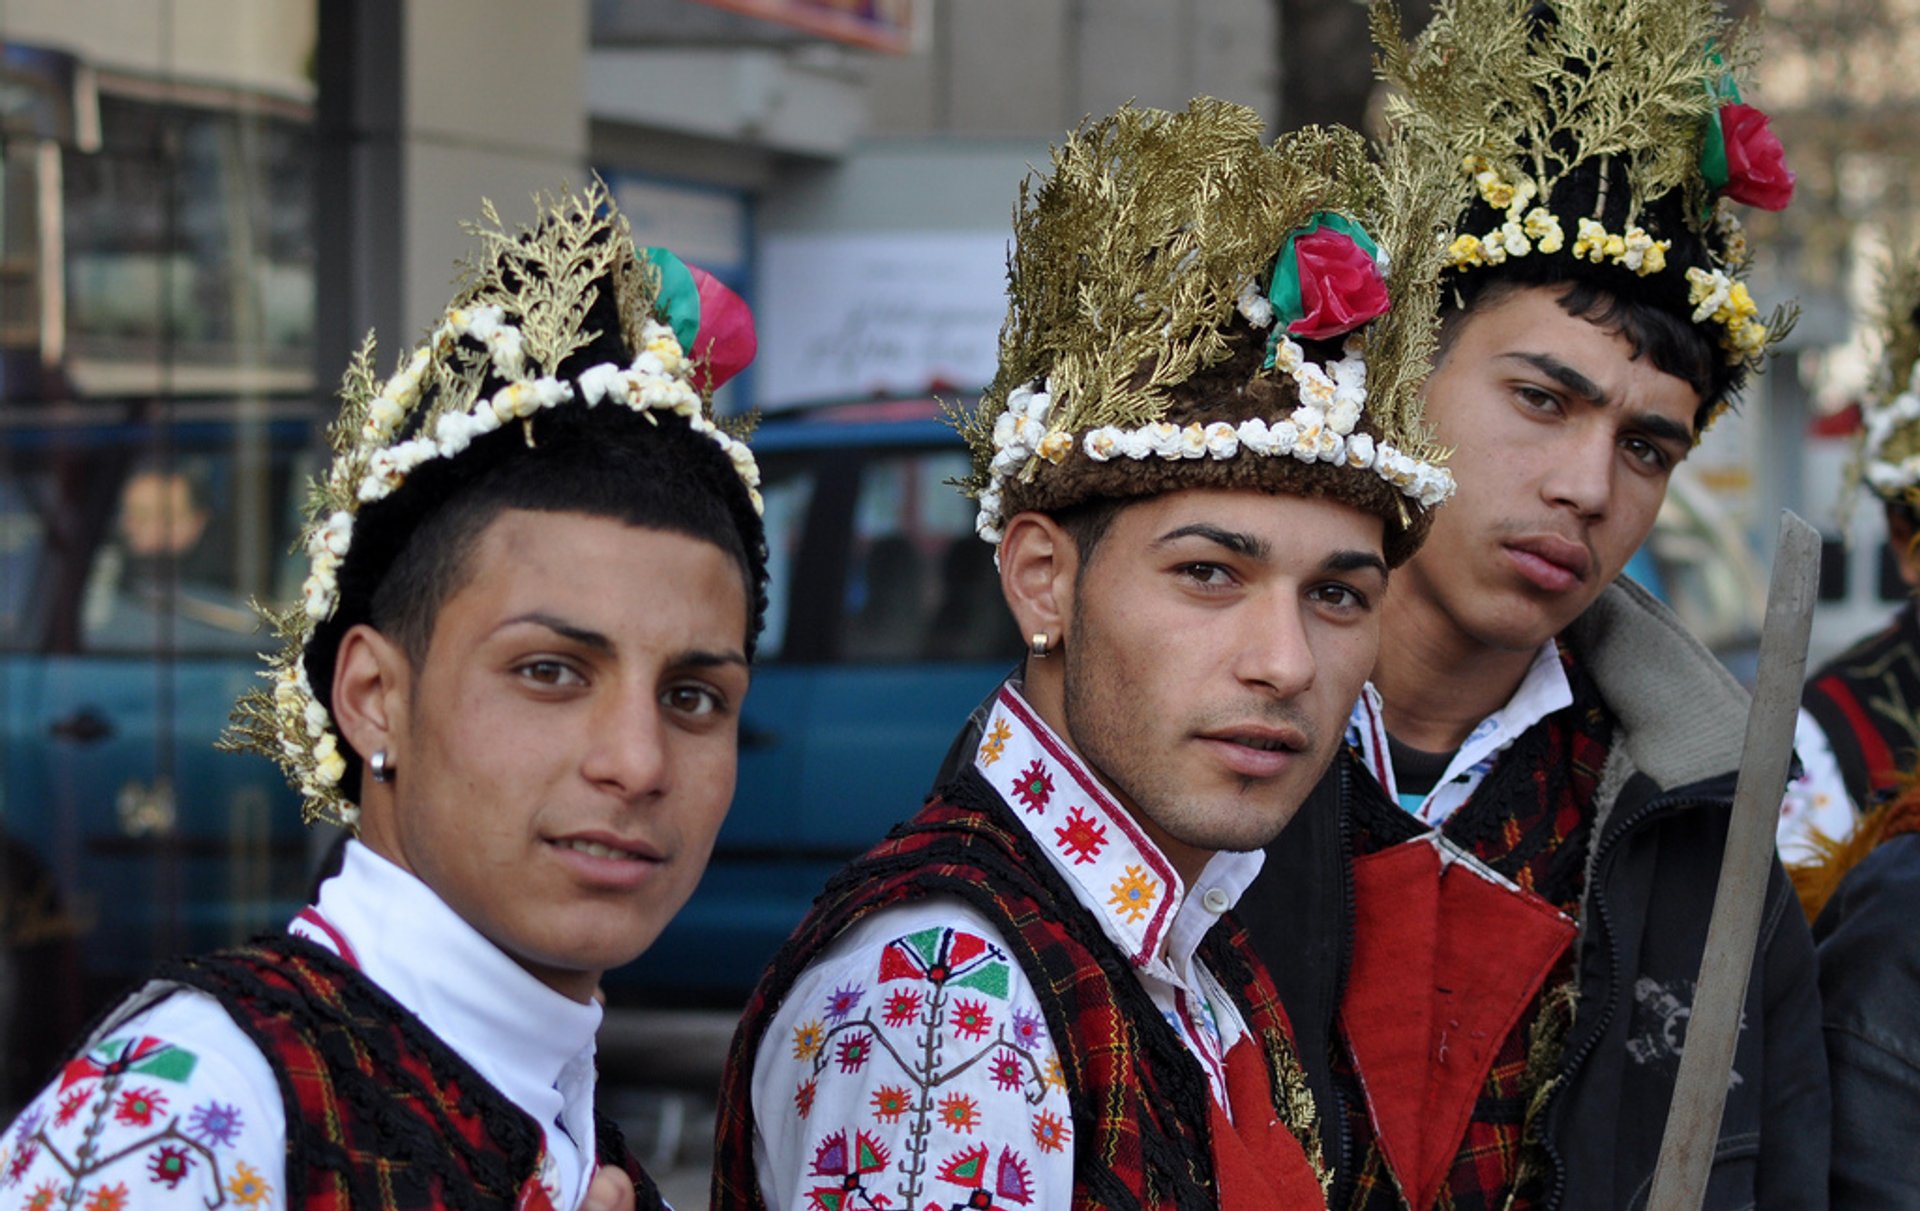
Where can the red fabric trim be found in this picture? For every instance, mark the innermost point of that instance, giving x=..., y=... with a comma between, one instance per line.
x=1881, y=769
x=1258, y=1165
x=311, y=916
x=1445, y=962
x=1121, y=818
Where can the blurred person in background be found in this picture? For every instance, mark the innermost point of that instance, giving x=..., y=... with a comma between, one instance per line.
x=1862, y=890
x=1492, y=995
x=1198, y=462
x=1860, y=718
x=537, y=574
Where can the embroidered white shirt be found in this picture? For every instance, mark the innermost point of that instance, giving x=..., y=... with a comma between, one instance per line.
x=196, y=1116
x=910, y=1064
x=1544, y=690
x=1816, y=799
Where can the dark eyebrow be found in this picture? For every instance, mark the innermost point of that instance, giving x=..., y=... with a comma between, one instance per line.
x=694, y=658
x=1563, y=374
x=1354, y=561
x=1232, y=540
x=566, y=630
x=1654, y=425
x=1252, y=547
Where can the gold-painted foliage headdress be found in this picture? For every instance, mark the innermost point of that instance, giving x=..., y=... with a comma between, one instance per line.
x=562, y=334
x=1598, y=140
x=1190, y=307
x=1888, y=458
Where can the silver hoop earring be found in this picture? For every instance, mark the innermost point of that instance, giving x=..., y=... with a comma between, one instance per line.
x=380, y=766
x=1040, y=645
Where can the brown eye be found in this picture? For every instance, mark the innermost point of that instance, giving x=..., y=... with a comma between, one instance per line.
x=550, y=672
x=694, y=701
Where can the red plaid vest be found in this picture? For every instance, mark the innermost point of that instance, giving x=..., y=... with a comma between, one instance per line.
x=380, y=1112
x=1140, y=1101
x=1531, y=820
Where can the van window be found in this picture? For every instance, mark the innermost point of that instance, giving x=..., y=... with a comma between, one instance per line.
x=920, y=584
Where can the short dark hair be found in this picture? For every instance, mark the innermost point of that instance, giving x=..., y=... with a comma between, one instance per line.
x=657, y=474
x=1671, y=342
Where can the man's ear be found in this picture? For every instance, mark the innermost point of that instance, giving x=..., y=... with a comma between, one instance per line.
x=372, y=680
x=1038, y=565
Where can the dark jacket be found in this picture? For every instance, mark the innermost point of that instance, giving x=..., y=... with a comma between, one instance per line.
x=1870, y=987
x=1661, y=814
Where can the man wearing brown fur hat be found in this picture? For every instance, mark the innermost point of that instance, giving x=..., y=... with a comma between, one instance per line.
x=1199, y=461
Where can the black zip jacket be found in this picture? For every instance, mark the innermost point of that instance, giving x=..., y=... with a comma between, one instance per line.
x=1661, y=815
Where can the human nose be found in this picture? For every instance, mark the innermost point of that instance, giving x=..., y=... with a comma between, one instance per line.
x=1276, y=654
x=1580, y=474
x=627, y=751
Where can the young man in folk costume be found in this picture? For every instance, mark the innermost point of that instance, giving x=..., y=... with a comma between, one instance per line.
x=1863, y=890
x=1488, y=945
x=1198, y=460
x=537, y=575
x=1858, y=714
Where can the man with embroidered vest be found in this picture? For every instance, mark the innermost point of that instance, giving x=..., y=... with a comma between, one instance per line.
x=1198, y=460
x=1486, y=931
x=537, y=572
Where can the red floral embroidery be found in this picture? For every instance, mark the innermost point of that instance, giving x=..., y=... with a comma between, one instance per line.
x=1006, y=1071
x=169, y=1165
x=1034, y=786
x=1050, y=1131
x=44, y=1197
x=1757, y=172
x=138, y=1106
x=960, y=1112
x=1340, y=286
x=71, y=1104
x=803, y=1098
x=971, y=1019
x=854, y=1051
x=22, y=1161
x=903, y=1009
x=1082, y=837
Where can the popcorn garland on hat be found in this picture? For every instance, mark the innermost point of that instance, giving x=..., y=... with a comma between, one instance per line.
x=437, y=396
x=1887, y=458
x=1607, y=96
x=1090, y=347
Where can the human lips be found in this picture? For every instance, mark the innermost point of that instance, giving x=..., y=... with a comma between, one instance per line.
x=1257, y=750
x=1550, y=562
x=607, y=858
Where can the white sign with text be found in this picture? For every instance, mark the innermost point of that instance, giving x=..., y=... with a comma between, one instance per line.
x=849, y=317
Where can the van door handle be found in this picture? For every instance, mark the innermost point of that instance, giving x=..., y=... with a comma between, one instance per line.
x=85, y=726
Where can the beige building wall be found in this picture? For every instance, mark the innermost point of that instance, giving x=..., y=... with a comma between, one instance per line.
x=493, y=100
x=256, y=44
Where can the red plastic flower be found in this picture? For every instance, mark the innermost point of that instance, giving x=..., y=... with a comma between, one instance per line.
x=1340, y=286
x=1757, y=172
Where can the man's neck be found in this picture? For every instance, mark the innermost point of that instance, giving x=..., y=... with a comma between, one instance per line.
x=1437, y=683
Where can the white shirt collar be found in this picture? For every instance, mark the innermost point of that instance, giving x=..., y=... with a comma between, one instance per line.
x=1544, y=690
x=1113, y=868
x=531, y=1043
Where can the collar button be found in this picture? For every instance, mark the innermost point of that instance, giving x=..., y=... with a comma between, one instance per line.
x=1215, y=901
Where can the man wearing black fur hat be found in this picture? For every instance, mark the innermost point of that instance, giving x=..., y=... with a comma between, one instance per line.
x=537, y=573
x=1494, y=995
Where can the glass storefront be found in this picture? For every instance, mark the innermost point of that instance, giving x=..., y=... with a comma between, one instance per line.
x=158, y=420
